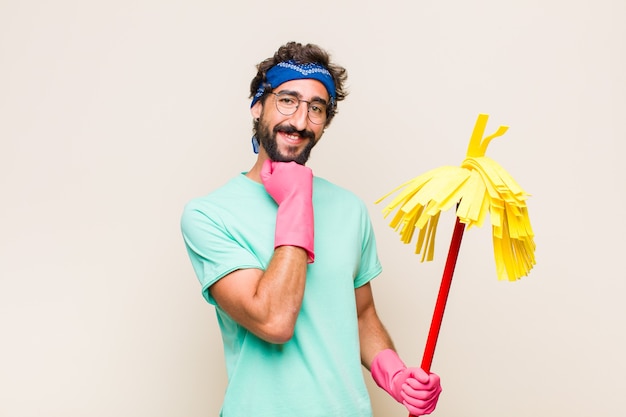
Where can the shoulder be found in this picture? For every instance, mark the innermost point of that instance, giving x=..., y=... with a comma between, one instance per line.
x=326, y=187
x=237, y=188
x=207, y=205
x=330, y=197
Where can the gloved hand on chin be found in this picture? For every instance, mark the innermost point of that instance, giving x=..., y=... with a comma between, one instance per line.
x=291, y=186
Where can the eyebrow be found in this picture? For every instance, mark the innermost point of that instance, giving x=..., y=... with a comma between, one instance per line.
x=297, y=94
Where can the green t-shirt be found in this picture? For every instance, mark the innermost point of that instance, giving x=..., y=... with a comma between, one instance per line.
x=318, y=372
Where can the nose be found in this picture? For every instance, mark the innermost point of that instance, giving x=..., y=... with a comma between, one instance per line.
x=300, y=118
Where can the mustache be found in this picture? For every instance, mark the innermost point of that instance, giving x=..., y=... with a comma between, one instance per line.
x=307, y=134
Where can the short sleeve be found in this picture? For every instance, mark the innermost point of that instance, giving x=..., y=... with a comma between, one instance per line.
x=370, y=266
x=213, y=251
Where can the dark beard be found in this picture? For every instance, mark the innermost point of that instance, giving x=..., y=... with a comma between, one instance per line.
x=268, y=141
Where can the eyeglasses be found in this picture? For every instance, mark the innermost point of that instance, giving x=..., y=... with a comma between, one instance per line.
x=287, y=104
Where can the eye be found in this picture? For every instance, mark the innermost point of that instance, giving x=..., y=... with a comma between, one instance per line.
x=317, y=108
x=287, y=100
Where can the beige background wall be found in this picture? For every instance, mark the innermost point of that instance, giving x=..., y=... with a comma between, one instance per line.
x=114, y=113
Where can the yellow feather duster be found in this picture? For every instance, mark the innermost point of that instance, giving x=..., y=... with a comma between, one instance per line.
x=479, y=186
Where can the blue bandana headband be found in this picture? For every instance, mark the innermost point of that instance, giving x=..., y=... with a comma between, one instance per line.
x=291, y=70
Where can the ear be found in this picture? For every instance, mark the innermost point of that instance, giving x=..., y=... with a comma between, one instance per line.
x=256, y=109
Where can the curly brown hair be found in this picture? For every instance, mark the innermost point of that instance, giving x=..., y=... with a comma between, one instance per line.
x=303, y=54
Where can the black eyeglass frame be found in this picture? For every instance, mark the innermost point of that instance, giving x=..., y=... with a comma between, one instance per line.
x=330, y=108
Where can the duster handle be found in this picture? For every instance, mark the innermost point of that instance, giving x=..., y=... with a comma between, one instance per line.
x=442, y=298
x=444, y=289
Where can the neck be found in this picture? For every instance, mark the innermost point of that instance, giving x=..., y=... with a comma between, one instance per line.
x=255, y=172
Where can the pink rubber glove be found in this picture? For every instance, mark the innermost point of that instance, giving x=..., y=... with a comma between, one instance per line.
x=291, y=186
x=417, y=390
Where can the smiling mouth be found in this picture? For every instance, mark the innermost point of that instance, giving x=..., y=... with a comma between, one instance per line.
x=293, y=135
x=292, y=138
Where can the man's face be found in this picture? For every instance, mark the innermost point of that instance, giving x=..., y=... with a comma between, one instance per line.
x=290, y=138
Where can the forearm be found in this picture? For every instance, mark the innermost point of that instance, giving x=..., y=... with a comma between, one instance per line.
x=373, y=338
x=267, y=302
x=278, y=296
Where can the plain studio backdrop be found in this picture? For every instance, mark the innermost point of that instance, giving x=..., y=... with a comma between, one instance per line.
x=113, y=114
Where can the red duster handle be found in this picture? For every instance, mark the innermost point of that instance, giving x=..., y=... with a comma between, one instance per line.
x=444, y=289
